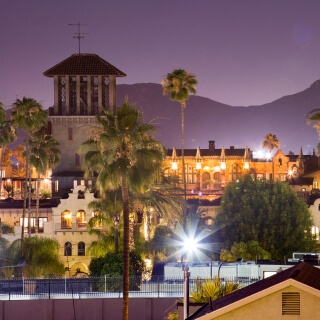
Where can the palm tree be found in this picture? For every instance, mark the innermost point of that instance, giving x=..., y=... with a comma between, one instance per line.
x=179, y=84
x=40, y=256
x=44, y=155
x=314, y=115
x=270, y=142
x=108, y=213
x=123, y=154
x=7, y=135
x=212, y=289
x=28, y=115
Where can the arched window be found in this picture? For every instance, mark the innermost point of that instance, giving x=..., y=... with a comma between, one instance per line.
x=217, y=180
x=206, y=180
x=80, y=219
x=81, y=249
x=234, y=172
x=68, y=249
x=66, y=220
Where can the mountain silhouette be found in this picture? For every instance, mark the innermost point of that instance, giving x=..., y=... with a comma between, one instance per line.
x=206, y=119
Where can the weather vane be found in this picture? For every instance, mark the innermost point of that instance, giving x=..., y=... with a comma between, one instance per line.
x=78, y=35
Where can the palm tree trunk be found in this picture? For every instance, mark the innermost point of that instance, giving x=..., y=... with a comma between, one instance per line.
x=126, y=242
x=1, y=168
x=182, y=152
x=183, y=168
x=29, y=203
x=37, y=203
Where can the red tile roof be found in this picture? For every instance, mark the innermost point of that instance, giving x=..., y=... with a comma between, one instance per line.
x=84, y=64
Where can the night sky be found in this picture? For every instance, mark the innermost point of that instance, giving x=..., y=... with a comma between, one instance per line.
x=243, y=52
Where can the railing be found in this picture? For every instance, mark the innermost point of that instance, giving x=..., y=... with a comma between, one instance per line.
x=91, y=287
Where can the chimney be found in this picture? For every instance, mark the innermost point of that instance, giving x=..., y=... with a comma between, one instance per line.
x=232, y=147
x=212, y=145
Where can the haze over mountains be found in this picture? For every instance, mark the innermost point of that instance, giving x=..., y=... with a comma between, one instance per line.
x=206, y=119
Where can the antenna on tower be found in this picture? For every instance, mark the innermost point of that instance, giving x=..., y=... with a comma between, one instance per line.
x=78, y=35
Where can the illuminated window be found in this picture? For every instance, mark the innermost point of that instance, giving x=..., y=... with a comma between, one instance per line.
x=191, y=174
x=97, y=218
x=66, y=220
x=56, y=185
x=205, y=180
x=234, y=172
x=217, y=180
x=80, y=219
x=315, y=232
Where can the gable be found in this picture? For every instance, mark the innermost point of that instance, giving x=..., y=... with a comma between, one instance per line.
x=282, y=300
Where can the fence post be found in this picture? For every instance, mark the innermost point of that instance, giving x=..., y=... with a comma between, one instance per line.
x=105, y=283
x=49, y=290
x=158, y=287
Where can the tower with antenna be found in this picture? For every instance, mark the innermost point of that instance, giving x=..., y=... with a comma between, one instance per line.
x=84, y=86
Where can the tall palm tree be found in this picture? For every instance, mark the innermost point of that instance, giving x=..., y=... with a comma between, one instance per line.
x=123, y=154
x=314, y=115
x=179, y=84
x=28, y=115
x=7, y=135
x=270, y=142
x=44, y=155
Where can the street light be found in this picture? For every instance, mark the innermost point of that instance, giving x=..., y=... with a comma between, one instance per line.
x=189, y=245
x=186, y=276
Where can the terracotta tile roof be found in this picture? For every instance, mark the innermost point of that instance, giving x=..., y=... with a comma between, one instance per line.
x=84, y=64
x=303, y=272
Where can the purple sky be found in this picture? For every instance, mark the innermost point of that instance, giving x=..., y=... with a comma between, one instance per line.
x=243, y=52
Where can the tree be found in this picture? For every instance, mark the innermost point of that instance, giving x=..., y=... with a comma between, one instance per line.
x=179, y=84
x=107, y=214
x=44, y=155
x=247, y=251
x=7, y=135
x=28, y=115
x=123, y=154
x=314, y=116
x=212, y=289
x=270, y=213
x=270, y=142
x=39, y=255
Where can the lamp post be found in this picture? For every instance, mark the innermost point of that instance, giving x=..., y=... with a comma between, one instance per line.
x=186, y=277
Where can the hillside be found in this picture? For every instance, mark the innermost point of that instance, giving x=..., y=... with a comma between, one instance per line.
x=206, y=119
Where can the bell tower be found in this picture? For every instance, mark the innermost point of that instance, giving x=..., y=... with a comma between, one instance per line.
x=84, y=86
